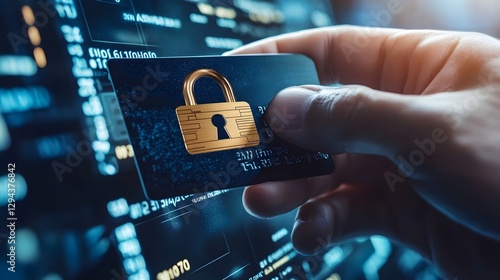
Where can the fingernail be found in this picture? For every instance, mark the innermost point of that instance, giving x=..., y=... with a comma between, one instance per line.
x=286, y=110
x=305, y=236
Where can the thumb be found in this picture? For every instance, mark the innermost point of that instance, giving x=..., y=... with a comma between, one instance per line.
x=348, y=119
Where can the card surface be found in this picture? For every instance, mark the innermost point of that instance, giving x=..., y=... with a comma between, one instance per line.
x=197, y=124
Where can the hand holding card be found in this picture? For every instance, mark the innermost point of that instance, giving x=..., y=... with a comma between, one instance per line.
x=197, y=123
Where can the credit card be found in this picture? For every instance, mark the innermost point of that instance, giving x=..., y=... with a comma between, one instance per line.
x=196, y=124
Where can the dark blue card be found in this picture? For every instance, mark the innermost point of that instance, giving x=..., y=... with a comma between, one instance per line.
x=181, y=149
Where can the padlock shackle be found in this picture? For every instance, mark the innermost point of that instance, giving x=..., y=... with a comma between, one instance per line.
x=188, y=89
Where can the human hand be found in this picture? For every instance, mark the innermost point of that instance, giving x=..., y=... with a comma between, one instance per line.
x=414, y=137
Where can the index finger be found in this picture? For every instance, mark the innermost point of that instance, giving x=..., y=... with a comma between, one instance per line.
x=373, y=57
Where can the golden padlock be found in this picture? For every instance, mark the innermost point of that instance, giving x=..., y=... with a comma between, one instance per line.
x=215, y=126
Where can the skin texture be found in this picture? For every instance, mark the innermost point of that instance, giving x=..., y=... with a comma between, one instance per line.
x=427, y=98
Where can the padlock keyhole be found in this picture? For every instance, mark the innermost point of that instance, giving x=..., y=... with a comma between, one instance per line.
x=219, y=122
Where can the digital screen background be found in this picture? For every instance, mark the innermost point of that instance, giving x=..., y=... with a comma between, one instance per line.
x=81, y=213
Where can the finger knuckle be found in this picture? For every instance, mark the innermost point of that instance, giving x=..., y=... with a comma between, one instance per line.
x=340, y=105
